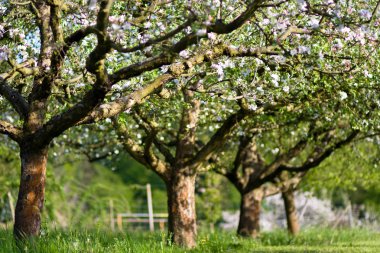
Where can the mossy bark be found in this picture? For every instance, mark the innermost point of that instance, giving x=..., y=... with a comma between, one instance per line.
x=250, y=207
x=31, y=194
x=291, y=212
x=181, y=209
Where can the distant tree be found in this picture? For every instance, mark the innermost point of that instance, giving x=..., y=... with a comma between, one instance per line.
x=351, y=172
x=251, y=172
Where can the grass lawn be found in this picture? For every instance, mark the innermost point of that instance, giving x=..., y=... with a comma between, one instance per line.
x=314, y=240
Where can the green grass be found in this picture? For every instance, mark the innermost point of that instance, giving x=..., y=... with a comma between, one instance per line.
x=315, y=240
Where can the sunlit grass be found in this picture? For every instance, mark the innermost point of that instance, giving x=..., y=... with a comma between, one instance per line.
x=314, y=240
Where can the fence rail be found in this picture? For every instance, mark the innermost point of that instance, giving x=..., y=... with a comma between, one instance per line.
x=150, y=217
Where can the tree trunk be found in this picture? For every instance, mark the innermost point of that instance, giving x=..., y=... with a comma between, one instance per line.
x=291, y=212
x=181, y=208
x=249, y=222
x=31, y=192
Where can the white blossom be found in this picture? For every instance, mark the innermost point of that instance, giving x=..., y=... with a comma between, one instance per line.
x=92, y=5
x=252, y=107
x=293, y=52
x=165, y=68
x=2, y=31
x=367, y=74
x=148, y=25
x=126, y=26
x=116, y=87
x=265, y=21
x=201, y=32
x=115, y=27
x=184, y=54
x=3, y=53
x=321, y=55
x=275, y=79
x=211, y=36
x=338, y=44
x=344, y=29
x=207, y=23
x=302, y=5
x=161, y=26
x=275, y=151
x=314, y=23
x=79, y=85
x=343, y=95
x=365, y=13
x=219, y=70
x=10, y=119
x=304, y=50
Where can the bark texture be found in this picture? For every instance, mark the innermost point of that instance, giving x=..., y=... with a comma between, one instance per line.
x=249, y=222
x=31, y=192
x=291, y=212
x=181, y=209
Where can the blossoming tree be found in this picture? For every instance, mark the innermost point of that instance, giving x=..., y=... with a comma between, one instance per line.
x=66, y=64
x=60, y=62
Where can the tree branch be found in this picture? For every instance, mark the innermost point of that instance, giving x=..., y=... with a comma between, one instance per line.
x=284, y=158
x=217, y=139
x=125, y=103
x=95, y=65
x=175, y=69
x=15, y=99
x=55, y=9
x=310, y=163
x=129, y=145
x=156, y=40
x=186, y=133
x=149, y=129
x=154, y=162
x=228, y=125
x=320, y=157
x=222, y=28
x=140, y=154
x=10, y=130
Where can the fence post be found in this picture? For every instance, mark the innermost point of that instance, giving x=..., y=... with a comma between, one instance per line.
x=150, y=207
x=303, y=210
x=10, y=201
x=112, y=220
x=120, y=222
x=350, y=216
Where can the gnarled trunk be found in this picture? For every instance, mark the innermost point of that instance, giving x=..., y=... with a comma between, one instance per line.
x=291, y=212
x=249, y=221
x=31, y=192
x=181, y=208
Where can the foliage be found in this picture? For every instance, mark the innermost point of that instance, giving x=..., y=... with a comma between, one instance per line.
x=354, y=166
x=351, y=173
x=9, y=173
x=209, y=200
